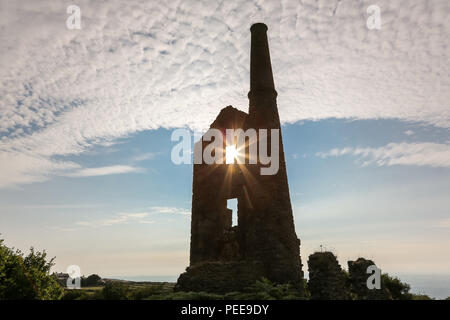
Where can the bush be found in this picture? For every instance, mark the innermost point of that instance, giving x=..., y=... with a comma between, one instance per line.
x=27, y=277
x=115, y=291
x=421, y=297
x=73, y=294
x=182, y=295
x=143, y=293
x=264, y=289
x=398, y=290
x=92, y=280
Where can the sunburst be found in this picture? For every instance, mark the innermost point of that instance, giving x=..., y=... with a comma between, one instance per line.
x=231, y=154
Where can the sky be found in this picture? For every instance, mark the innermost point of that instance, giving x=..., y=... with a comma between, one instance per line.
x=86, y=117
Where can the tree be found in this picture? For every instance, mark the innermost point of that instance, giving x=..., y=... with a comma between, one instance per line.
x=90, y=281
x=26, y=277
x=398, y=290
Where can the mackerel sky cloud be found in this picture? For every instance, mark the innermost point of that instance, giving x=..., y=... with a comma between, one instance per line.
x=418, y=154
x=142, y=65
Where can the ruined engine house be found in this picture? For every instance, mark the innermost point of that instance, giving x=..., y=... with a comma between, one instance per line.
x=226, y=258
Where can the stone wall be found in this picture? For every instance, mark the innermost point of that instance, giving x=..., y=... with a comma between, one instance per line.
x=220, y=277
x=358, y=281
x=326, y=278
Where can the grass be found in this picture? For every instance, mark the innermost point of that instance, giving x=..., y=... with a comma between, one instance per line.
x=130, y=290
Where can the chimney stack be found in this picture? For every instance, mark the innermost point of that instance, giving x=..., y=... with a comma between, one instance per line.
x=262, y=88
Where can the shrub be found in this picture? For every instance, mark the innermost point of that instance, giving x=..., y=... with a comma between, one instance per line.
x=92, y=280
x=264, y=289
x=421, y=297
x=143, y=293
x=72, y=295
x=115, y=291
x=27, y=277
x=182, y=295
x=398, y=290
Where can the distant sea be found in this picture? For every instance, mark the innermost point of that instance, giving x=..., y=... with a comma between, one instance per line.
x=435, y=286
x=145, y=278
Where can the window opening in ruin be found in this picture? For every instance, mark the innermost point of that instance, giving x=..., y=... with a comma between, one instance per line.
x=231, y=154
x=232, y=204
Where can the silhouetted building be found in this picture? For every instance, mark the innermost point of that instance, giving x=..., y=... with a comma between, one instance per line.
x=264, y=243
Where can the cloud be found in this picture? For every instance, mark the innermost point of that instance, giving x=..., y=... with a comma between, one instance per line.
x=118, y=219
x=170, y=210
x=415, y=154
x=144, y=156
x=144, y=65
x=139, y=217
x=24, y=167
x=444, y=223
x=54, y=206
x=297, y=156
x=103, y=171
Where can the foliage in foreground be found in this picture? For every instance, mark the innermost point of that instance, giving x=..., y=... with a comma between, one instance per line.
x=26, y=277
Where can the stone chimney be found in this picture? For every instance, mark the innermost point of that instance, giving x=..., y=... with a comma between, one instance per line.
x=262, y=89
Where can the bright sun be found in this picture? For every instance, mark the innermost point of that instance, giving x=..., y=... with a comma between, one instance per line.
x=231, y=154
